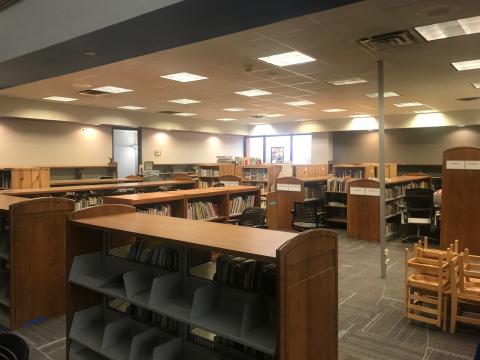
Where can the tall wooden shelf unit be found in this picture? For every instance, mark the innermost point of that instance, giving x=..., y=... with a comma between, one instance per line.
x=32, y=259
x=259, y=175
x=167, y=171
x=286, y=327
x=309, y=170
x=24, y=177
x=364, y=208
x=461, y=198
x=77, y=172
x=209, y=174
x=288, y=190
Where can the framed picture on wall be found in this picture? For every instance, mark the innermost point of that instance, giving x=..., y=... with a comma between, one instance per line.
x=278, y=155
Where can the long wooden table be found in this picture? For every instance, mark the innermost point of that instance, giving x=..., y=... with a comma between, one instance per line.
x=91, y=181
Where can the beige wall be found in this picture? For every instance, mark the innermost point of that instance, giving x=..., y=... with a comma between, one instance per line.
x=188, y=147
x=409, y=146
x=321, y=148
x=36, y=142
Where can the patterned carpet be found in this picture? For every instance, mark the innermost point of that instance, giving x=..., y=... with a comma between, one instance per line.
x=371, y=323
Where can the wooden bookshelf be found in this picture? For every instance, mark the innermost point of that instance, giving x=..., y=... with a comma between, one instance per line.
x=209, y=174
x=167, y=171
x=461, y=198
x=82, y=171
x=363, y=170
x=309, y=170
x=306, y=264
x=259, y=175
x=363, y=210
x=93, y=181
x=230, y=180
x=24, y=177
x=336, y=203
x=32, y=259
x=288, y=190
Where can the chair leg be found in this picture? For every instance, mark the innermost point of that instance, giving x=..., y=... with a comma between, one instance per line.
x=453, y=315
x=445, y=312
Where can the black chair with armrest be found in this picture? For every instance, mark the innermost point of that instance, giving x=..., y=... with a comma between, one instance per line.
x=251, y=217
x=307, y=215
x=420, y=211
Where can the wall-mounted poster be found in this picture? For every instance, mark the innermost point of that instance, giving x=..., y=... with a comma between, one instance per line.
x=278, y=155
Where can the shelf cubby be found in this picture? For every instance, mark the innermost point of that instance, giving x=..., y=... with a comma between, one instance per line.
x=80, y=352
x=4, y=288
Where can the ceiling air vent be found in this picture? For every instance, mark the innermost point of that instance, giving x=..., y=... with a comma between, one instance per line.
x=469, y=98
x=168, y=112
x=5, y=3
x=259, y=116
x=93, y=93
x=389, y=40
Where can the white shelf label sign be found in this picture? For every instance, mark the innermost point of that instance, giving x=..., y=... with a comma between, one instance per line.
x=295, y=187
x=357, y=190
x=455, y=165
x=372, y=192
x=472, y=165
x=283, y=187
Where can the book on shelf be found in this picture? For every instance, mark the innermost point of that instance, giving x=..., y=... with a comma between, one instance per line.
x=315, y=191
x=255, y=174
x=209, y=172
x=161, y=210
x=160, y=256
x=204, y=184
x=337, y=184
x=202, y=210
x=222, y=159
x=247, y=161
x=351, y=173
x=239, y=203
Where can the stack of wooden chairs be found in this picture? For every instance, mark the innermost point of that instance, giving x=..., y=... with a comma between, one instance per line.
x=435, y=279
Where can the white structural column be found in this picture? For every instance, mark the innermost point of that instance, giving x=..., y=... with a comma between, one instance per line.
x=381, y=167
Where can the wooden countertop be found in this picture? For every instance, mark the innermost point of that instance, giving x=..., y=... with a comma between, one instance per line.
x=164, y=196
x=249, y=242
x=93, y=181
x=316, y=178
x=6, y=201
x=80, y=188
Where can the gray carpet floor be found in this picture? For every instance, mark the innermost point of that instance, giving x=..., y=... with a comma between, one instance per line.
x=371, y=323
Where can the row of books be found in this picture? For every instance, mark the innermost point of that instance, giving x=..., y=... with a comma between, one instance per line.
x=337, y=184
x=5, y=180
x=161, y=210
x=248, y=161
x=390, y=228
x=238, y=204
x=351, y=173
x=204, y=184
x=246, y=274
x=208, y=172
x=154, y=319
x=202, y=210
x=315, y=192
x=83, y=203
x=400, y=190
x=161, y=256
x=255, y=174
x=394, y=207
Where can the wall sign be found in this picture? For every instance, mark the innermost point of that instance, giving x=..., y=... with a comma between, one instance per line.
x=357, y=190
x=472, y=165
x=372, y=192
x=455, y=165
x=289, y=187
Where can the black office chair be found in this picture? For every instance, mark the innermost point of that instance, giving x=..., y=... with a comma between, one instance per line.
x=219, y=184
x=13, y=347
x=307, y=215
x=420, y=211
x=252, y=217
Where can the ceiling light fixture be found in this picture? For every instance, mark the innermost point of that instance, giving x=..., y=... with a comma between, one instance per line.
x=408, y=104
x=358, y=116
x=466, y=65
x=59, y=98
x=235, y=109
x=300, y=103
x=112, y=89
x=347, y=81
x=184, y=114
x=258, y=123
x=184, y=101
x=430, y=111
x=449, y=29
x=253, y=92
x=226, y=119
x=333, y=110
x=476, y=85
x=301, y=120
x=131, y=107
x=288, y=58
x=270, y=115
x=386, y=94
x=184, y=77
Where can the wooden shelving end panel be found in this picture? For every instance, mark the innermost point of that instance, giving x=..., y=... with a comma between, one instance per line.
x=6, y=201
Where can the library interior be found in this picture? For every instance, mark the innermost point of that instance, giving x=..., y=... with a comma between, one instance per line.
x=240, y=180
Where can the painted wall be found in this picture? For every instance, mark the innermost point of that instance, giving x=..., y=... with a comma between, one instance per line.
x=34, y=142
x=188, y=147
x=321, y=148
x=412, y=146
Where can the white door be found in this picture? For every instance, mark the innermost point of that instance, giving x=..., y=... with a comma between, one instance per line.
x=125, y=151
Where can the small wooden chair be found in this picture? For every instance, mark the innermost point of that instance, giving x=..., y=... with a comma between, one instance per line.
x=465, y=292
x=426, y=289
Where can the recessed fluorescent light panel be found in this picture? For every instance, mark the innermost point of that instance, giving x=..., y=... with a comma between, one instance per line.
x=59, y=98
x=301, y=120
x=226, y=119
x=184, y=114
x=425, y=111
x=466, y=65
x=385, y=94
x=253, y=92
x=288, y=58
x=257, y=123
x=300, y=103
x=131, y=107
x=184, y=101
x=333, y=110
x=357, y=116
x=408, y=104
x=112, y=89
x=448, y=29
x=270, y=115
x=476, y=85
x=184, y=77
x=349, y=81
x=235, y=109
